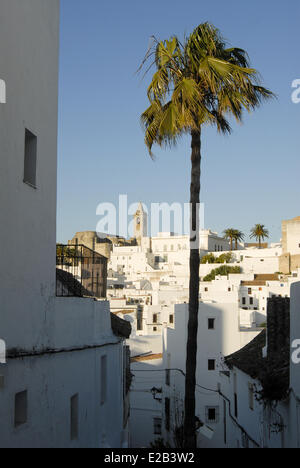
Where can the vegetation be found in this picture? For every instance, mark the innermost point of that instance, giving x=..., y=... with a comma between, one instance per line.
x=212, y=259
x=66, y=256
x=260, y=233
x=234, y=235
x=223, y=271
x=196, y=83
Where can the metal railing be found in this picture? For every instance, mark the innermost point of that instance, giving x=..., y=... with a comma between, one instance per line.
x=80, y=272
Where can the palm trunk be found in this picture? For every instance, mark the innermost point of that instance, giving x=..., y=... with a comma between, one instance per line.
x=191, y=358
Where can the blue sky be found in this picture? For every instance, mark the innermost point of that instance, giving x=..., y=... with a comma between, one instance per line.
x=249, y=177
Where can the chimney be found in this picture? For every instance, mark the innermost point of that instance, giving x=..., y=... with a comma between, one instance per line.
x=278, y=326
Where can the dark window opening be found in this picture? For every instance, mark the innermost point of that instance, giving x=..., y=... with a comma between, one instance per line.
x=211, y=365
x=30, y=158
x=211, y=324
x=20, y=408
x=74, y=417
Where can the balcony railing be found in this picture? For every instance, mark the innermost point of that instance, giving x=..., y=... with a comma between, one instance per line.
x=80, y=272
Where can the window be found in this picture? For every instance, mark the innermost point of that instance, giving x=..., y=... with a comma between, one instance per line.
x=211, y=323
x=171, y=319
x=74, y=417
x=212, y=414
x=155, y=329
x=139, y=320
x=103, y=383
x=249, y=290
x=206, y=289
x=211, y=364
x=30, y=158
x=168, y=377
x=157, y=423
x=251, y=301
x=155, y=318
x=167, y=414
x=244, y=301
x=251, y=396
x=21, y=408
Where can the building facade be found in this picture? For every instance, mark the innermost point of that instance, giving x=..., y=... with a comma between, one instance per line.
x=64, y=381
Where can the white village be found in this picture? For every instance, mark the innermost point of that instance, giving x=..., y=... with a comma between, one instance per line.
x=94, y=330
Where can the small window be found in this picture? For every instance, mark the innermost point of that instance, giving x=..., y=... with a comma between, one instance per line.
x=211, y=364
x=244, y=301
x=103, y=382
x=171, y=319
x=157, y=422
x=212, y=414
x=211, y=323
x=251, y=301
x=206, y=289
x=155, y=318
x=168, y=377
x=249, y=290
x=21, y=408
x=30, y=158
x=74, y=417
x=251, y=396
x=155, y=329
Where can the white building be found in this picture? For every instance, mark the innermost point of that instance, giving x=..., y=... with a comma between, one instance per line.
x=64, y=383
x=219, y=331
x=260, y=390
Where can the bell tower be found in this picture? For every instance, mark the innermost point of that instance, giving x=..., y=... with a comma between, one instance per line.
x=140, y=224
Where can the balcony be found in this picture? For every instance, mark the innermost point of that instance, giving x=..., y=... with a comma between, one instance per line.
x=80, y=272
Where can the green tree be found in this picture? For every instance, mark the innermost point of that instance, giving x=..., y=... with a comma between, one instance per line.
x=225, y=258
x=196, y=83
x=209, y=258
x=260, y=233
x=239, y=236
x=230, y=234
x=222, y=271
x=234, y=235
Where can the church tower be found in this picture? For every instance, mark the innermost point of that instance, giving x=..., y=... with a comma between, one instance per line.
x=140, y=224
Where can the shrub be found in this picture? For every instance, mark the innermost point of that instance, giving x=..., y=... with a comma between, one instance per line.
x=222, y=271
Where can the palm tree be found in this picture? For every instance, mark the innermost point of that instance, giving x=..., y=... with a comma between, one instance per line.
x=230, y=234
x=260, y=233
x=239, y=236
x=197, y=83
